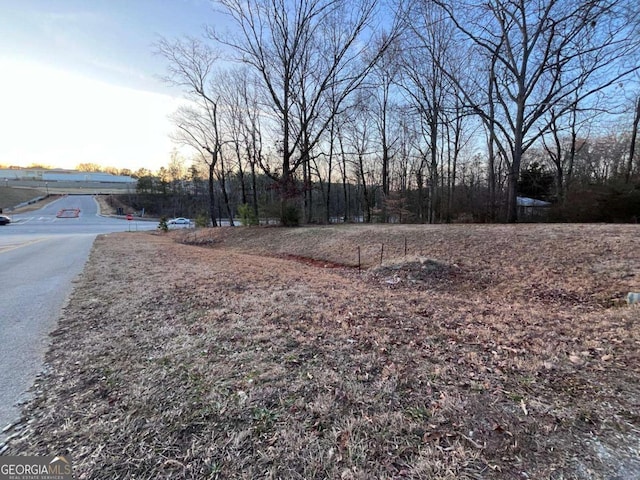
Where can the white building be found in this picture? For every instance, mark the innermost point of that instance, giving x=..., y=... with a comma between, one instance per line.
x=60, y=175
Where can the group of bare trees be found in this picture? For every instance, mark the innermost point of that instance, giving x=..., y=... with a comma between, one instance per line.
x=357, y=109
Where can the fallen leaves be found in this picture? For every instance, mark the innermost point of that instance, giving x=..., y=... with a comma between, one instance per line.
x=497, y=350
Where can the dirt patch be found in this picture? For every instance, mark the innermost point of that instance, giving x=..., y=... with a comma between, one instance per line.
x=314, y=262
x=419, y=272
x=502, y=352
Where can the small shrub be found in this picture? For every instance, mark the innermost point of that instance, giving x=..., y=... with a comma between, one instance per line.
x=247, y=215
x=202, y=220
x=162, y=226
x=290, y=216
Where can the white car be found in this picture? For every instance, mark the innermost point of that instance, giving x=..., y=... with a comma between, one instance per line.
x=179, y=222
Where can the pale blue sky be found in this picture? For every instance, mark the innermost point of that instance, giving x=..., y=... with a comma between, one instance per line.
x=79, y=81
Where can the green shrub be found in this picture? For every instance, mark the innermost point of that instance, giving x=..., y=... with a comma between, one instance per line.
x=290, y=216
x=162, y=226
x=202, y=220
x=247, y=215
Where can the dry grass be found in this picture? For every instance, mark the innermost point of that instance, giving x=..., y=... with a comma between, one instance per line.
x=487, y=352
x=10, y=196
x=105, y=207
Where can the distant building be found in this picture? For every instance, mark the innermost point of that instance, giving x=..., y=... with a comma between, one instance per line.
x=532, y=208
x=61, y=175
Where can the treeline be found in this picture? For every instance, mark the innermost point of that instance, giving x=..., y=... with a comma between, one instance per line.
x=595, y=191
x=432, y=111
x=95, y=167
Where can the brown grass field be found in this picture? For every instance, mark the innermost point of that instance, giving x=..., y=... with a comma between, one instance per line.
x=497, y=352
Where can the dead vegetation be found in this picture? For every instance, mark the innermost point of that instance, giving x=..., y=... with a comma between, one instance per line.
x=486, y=352
x=12, y=196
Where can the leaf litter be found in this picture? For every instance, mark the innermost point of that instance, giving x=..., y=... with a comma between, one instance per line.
x=486, y=352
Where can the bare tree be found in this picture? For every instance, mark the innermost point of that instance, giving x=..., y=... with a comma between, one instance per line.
x=242, y=121
x=232, y=102
x=561, y=143
x=191, y=65
x=545, y=51
x=301, y=50
x=83, y=167
x=344, y=172
x=332, y=140
x=384, y=77
x=357, y=144
x=242, y=125
x=428, y=55
x=193, y=131
x=458, y=135
x=632, y=142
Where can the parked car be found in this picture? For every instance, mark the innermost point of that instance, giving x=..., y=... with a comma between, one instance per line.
x=179, y=222
x=4, y=220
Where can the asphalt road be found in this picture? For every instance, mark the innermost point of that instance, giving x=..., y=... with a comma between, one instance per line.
x=40, y=256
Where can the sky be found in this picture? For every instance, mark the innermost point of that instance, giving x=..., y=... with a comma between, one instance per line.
x=80, y=83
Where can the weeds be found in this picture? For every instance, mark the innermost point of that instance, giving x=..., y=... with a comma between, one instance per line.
x=495, y=353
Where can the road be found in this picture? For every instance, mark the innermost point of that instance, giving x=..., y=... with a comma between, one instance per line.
x=40, y=256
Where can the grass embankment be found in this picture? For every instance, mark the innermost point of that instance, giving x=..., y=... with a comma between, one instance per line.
x=10, y=196
x=486, y=352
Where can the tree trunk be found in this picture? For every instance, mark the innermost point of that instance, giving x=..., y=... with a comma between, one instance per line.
x=330, y=166
x=308, y=189
x=385, y=171
x=254, y=189
x=254, y=154
x=512, y=196
x=328, y=213
x=365, y=192
x=632, y=147
x=572, y=155
x=516, y=160
x=492, y=143
x=225, y=196
x=212, y=204
x=345, y=188
x=433, y=170
x=420, y=184
x=289, y=208
x=241, y=174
